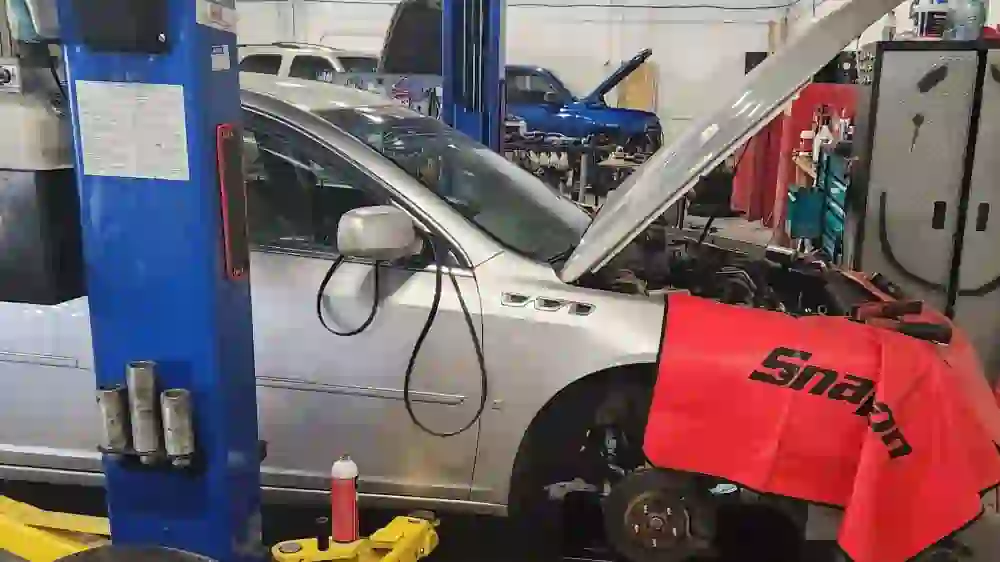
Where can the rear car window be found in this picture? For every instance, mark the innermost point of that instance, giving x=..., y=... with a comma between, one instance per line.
x=359, y=64
x=312, y=68
x=261, y=64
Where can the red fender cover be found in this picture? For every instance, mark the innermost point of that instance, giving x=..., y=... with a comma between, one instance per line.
x=830, y=411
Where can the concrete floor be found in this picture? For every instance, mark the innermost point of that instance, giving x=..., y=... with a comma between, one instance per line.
x=465, y=539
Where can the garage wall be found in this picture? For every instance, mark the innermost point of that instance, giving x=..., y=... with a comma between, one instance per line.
x=698, y=51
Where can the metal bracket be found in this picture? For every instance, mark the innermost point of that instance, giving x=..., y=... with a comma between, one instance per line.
x=10, y=76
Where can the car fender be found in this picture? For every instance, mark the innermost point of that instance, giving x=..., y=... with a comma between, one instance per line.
x=533, y=354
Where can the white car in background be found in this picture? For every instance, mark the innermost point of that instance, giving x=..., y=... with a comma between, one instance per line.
x=304, y=60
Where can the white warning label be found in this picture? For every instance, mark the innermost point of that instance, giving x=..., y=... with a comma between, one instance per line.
x=132, y=130
x=220, y=58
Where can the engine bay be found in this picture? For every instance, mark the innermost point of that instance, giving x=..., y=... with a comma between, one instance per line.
x=773, y=278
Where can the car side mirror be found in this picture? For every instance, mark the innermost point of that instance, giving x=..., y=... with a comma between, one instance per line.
x=380, y=233
x=552, y=98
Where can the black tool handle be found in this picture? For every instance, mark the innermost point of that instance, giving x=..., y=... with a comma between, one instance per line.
x=902, y=308
x=928, y=331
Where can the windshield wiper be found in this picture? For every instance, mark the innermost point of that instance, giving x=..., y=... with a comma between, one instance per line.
x=565, y=254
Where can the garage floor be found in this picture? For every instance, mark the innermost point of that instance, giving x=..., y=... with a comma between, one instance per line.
x=471, y=539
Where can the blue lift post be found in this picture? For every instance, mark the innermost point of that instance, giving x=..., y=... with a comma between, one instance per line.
x=473, y=67
x=149, y=82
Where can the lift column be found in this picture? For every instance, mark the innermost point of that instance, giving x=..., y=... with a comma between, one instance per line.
x=156, y=110
x=473, y=49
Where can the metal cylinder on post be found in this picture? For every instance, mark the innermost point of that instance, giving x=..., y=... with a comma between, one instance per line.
x=344, y=500
x=322, y=534
x=178, y=425
x=140, y=377
x=115, y=434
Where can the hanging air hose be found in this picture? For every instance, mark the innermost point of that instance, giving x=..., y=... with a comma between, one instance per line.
x=421, y=337
x=319, y=301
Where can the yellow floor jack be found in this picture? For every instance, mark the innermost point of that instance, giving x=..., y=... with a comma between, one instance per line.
x=36, y=535
x=405, y=539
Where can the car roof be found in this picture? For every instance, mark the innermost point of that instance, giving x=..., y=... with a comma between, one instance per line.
x=303, y=48
x=312, y=95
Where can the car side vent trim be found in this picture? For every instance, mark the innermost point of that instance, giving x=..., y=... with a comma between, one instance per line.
x=547, y=304
x=514, y=299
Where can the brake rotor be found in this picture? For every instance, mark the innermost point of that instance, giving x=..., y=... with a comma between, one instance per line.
x=657, y=515
x=658, y=520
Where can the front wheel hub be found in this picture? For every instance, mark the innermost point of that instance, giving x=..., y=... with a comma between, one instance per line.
x=658, y=520
x=657, y=515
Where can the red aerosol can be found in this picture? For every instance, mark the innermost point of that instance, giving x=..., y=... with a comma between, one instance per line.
x=344, y=500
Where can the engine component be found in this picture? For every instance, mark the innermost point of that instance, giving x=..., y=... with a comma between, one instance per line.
x=735, y=286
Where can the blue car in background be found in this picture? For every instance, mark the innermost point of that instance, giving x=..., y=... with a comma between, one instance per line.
x=534, y=95
x=543, y=101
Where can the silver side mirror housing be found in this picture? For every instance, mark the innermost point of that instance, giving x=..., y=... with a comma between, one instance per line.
x=380, y=233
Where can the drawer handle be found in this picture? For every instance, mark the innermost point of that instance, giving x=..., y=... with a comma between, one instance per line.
x=982, y=217
x=933, y=77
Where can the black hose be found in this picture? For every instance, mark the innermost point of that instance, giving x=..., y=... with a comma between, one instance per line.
x=421, y=337
x=431, y=316
x=319, y=301
x=707, y=229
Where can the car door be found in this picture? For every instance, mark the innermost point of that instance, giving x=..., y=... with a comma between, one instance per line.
x=322, y=395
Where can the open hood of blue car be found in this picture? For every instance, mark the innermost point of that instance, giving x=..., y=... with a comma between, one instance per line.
x=628, y=67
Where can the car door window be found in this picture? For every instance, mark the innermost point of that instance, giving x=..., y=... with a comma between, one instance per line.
x=261, y=64
x=294, y=202
x=359, y=64
x=527, y=87
x=312, y=68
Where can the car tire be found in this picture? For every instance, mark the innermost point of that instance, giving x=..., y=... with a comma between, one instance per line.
x=555, y=449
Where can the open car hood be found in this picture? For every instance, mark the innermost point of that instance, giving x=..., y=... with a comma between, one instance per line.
x=675, y=169
x=414, y=22
x=617, y=76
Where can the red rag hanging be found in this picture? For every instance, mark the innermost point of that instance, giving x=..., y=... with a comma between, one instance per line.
x=828, y=411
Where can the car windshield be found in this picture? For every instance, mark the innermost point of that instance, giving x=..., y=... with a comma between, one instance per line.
x=511, y=205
